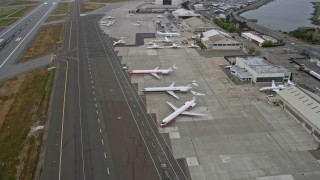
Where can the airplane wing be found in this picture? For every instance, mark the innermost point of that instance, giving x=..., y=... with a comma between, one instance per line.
x=172, y=106
x=156, y=68
x=187, y=113
x=172, y=85
x=173, y=94
x=155, y=75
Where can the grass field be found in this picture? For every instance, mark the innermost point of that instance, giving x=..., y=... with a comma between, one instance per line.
x=7, y=21
x=8, y=11
x=45, y=42
x=28, y=104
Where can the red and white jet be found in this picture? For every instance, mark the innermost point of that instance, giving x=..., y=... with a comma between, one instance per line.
x=154, y=72
x=182, y=110
x=171, y=89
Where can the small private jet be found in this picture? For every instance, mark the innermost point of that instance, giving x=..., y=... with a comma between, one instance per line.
x=154, y=72
x=168, y=34
x=193, y=46
x=276, y=88
x=120, y=41
x=109, y=17
x=182, y=110
x=170, y=89
x=155, y=46
x=137, y=24
x=174, y=45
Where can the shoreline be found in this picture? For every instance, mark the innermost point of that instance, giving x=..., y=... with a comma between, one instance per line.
x=252, y=6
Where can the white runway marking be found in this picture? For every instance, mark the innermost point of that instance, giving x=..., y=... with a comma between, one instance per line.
x=18, y=39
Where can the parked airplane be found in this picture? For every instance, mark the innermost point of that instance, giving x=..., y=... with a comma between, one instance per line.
x=109, y=17
x=120, y=41
x=155, y=46
x=290, y=83
x=182, y=110
x=137, y=24
x=170, y=89
x=174, y=45
x=165, y=40
x=154, y=72
x=170, y=34
x=193, y=46
x=273, y=87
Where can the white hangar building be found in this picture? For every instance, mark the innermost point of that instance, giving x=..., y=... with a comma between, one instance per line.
x=218, y=40
x=304, y=106
x=261, y=70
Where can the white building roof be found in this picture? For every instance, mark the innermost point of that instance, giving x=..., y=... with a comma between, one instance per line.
x=302, y=103
x=214, y=32
x=254, y=37
x=261, y=66
x=184, y=12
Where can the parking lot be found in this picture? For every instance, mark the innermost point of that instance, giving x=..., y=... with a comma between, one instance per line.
x=241, y=136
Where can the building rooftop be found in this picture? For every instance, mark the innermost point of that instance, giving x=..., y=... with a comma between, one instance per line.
x=254, y=37
x=184, y=12
x=261, y=66
x=303, y=103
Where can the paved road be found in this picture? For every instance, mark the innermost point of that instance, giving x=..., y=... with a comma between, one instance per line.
x=98, y=127
x=15, y=38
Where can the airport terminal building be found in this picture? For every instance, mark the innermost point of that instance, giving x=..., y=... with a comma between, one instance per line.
x=304, y=106
x=258, y=70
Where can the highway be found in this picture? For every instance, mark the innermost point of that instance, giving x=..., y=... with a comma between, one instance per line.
x=15, y=38
x=99, y=127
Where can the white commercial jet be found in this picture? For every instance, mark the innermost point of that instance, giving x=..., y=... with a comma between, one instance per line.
x=273, y=87
x=174, y=45
x=120, y=41
x=155, y=46
x=165, y=40
x=170, y=89
x=182, y=110
x=154, y=72
x=193, y=46
x=170, y=34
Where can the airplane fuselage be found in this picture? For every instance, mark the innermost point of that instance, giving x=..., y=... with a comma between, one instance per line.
x=176, y=113
x=158, y=71
x=158, y=89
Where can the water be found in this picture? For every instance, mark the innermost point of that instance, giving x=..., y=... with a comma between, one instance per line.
x=285, y=15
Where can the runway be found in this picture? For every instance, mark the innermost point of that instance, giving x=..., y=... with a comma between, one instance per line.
x=99, y=128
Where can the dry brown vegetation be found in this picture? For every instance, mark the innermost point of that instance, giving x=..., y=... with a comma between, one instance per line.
x=88, y=7
x=62, y=8
x=25, y=99
x=45, y=42
x=55, y=18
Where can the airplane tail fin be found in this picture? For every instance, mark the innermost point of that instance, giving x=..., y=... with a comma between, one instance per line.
x=290, y=83
x=172, y=67
x=193, y=83
x=273, y=84
x=197, y=94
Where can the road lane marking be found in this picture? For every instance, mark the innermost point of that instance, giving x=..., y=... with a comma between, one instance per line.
x=100, y=130
x=153, y=145
x=94, y=99
x=102, y=142
x=23, y=40
x=159, y=158
x=97, y=112
x=18, y=39
x=108, y=171
x=98, y=120
x=105, y=155
x=63, y=111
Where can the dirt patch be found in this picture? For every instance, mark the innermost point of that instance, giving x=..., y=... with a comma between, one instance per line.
x=47, y=41
x=88, y=7
x=62, y=8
